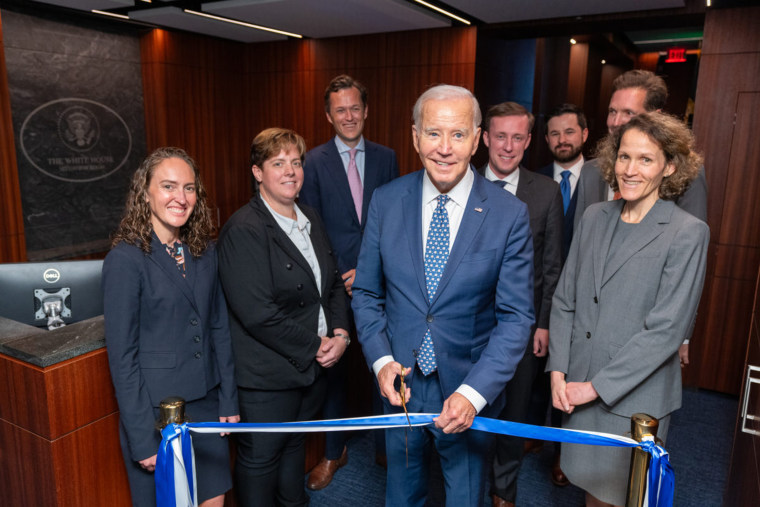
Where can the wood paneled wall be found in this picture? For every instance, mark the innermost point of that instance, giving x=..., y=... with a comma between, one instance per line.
x=211, y=97
x=12, y=243
x=725, y=118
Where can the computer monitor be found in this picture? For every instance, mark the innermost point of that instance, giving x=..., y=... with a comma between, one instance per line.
x=51, y=294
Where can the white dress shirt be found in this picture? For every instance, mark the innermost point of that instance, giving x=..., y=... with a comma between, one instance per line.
x=511, y=180
x=575, y=173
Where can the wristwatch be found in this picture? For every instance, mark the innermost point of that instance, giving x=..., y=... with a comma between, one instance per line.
x=345, y=337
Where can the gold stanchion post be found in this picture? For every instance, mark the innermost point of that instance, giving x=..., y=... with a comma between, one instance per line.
x=171, y=410
x=642, y=425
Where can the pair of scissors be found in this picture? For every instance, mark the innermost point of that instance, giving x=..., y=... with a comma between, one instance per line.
x=402, y=392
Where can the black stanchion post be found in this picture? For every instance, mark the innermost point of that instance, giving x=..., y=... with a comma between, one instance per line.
x=642, y=426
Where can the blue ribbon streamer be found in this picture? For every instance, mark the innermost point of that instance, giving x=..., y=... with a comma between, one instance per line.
x=660, y=475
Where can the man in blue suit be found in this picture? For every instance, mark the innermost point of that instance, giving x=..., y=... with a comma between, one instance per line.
x=339, y=179
x=444, y=296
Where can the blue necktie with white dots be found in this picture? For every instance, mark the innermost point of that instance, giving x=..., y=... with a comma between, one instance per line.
x=436, y=255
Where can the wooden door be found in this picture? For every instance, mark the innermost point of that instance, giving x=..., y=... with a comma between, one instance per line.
x=743, y=486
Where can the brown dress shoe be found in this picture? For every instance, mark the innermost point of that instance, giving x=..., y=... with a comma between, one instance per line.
x=558, y=476
x=321, y=475
x=497, y=501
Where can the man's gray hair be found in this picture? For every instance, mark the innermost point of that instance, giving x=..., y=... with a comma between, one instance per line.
x=446, y=92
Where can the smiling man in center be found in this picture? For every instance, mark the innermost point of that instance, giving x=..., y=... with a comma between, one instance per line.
x=444, y=294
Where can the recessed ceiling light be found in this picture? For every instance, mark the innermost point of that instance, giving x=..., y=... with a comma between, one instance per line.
x=243, y=23
x=446, y=13
x=112, y=14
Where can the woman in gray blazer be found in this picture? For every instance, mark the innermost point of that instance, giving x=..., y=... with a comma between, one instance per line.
x=288, y=318
x=626, y=299
x=166, y=324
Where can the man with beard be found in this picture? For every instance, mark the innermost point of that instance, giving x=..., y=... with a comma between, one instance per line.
x=566, y=132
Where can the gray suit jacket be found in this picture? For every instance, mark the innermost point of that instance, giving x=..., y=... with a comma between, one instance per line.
x=592, y=188
x=618, y=322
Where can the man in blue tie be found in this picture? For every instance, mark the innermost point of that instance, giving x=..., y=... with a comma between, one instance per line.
x=566, y=132
x=443, y=296
x=339, y=179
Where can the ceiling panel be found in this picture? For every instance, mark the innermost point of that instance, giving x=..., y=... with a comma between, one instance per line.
x=502, y=11
x=329, y=18
x=87, y=5
x=175, y=17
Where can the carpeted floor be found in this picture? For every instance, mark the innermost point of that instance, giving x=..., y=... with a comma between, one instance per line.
x=699, y=445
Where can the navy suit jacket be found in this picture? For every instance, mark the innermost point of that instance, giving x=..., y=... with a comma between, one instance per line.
x=569, y=222
x=325, y=188
x=482, y=312
x=165, y=336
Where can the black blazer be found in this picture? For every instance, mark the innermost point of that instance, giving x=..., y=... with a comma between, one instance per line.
x=569, y=221
x=273, y=298
x=165, y=336
x=544, y=201
x=325, y=188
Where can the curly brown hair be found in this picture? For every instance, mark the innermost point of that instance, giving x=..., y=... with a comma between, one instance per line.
x=671, y=135
x=136, y=227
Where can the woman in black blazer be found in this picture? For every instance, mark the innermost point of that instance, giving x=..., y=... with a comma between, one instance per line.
x=288, y=318
x=167, y=332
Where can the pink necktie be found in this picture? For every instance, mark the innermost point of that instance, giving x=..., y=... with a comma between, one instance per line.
x=355, y=183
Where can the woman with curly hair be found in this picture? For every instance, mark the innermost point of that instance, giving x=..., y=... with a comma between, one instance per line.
x=167, y=332
x=626, y=298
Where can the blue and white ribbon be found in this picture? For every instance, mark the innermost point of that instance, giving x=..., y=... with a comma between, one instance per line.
x=175, y=469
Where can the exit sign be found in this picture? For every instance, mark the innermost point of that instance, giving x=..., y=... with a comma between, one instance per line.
x=676, y=55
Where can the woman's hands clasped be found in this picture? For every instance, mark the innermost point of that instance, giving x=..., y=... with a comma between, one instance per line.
x=568, y=395
x=332, y=348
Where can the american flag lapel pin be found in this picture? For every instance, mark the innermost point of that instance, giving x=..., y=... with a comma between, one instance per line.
x=479, y=210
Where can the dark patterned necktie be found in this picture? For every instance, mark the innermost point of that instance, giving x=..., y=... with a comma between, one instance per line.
x=436, y=256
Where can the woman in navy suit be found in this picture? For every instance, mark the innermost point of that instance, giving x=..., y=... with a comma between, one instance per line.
x=167, y=332
x=288, y=318
x=626, y=299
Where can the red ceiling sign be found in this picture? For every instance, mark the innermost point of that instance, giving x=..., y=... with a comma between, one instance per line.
x=676, y=55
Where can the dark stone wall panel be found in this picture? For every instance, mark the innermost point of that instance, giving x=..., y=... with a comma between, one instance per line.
x=78, y=119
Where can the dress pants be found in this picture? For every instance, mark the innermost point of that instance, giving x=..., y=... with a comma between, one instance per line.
x=336, y=407
x=462, y=455
x=509, y=450
x=269, y=469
